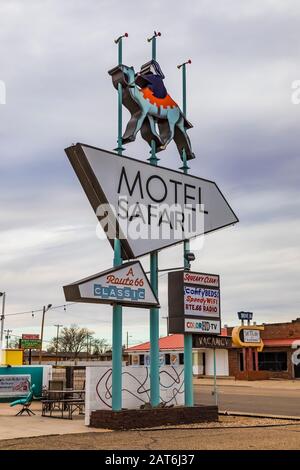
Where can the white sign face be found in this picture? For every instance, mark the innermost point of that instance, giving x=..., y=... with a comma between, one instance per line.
x=151, y=207
x=127, y=284
x=135, y=387
x=195, y=325
x=201, y=279
x=14, y=385
x=251, y=336
x=201, y=301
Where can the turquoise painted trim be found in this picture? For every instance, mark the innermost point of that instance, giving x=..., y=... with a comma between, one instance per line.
x=154, y=312
x=117, y=359
x=215, y=378
x=117, y=309
x=188, y=346
x=188, y=370
x=36, y=374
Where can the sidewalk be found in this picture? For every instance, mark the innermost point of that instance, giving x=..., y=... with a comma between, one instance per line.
x=13, y=427
x=259, y=384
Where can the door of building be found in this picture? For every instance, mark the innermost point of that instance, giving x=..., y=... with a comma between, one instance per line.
x=297, y=371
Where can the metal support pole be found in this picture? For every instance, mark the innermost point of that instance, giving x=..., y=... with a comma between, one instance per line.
x=42, y=333
x=154, y=312
x=188, y=344
x=7, y=336
x=117, y=309
x=57, y=336
x=215, y=378
x=2, y=323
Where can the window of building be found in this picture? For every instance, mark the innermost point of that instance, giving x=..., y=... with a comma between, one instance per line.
x=181, y=358
x=167, y=359
x=142, y=359
x=273, y=361
x=241, y=362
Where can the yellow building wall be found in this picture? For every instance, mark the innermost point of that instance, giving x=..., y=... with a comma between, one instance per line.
x=12, y=357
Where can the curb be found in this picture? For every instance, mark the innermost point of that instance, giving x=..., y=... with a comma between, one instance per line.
x=258, y=415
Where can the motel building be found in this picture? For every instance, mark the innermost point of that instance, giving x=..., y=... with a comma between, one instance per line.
x=171, y=353
x=279, y=359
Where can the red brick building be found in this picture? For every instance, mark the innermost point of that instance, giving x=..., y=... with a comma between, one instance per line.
x=278, y=359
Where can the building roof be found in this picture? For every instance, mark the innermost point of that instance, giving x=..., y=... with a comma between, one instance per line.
x=165, y=343
x=280, y=342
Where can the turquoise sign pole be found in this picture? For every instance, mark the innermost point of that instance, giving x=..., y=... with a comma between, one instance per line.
x=117, y=309
x=154, y=312
x=188, y=344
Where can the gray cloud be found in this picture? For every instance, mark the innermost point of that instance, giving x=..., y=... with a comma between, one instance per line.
x=54, y=61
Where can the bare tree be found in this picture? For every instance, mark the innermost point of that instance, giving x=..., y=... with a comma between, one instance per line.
x=73, y=340
x=99, y=346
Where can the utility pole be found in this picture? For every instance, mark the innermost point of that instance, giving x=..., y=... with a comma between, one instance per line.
x=7, y=336
x=127, y=339
x=57, y=335
x=45, y=309
x=2, y=294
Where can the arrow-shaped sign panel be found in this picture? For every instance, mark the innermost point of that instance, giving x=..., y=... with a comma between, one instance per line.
x=127, y=284
x=150, y=208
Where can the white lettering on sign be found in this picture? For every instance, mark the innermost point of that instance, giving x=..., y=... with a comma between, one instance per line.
x=192, y=325
x=125, y=283
x=201, y=279
x=201, y=302
x=251, y=336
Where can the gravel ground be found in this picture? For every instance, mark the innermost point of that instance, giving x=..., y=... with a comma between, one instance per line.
x=229, y=433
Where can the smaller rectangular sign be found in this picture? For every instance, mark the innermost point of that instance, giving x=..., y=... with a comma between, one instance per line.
x=251, y=336
x=212, y=342
x=14, y=385
x=201, y=279
x=245, y=315
x=196, y=325
x=30, y=336
x=30, y=344
x=201, y=301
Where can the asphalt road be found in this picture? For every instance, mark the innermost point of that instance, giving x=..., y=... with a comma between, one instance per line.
x=251, y=400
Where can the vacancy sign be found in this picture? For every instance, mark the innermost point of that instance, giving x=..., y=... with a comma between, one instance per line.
x=150, y=207
x=125, y=285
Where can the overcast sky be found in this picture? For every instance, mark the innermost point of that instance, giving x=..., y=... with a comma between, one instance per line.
x=54, y=58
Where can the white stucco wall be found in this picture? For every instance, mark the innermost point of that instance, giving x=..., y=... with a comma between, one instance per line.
x=221, y=360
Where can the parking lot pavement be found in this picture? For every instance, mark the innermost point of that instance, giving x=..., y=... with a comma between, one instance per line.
x=12, y=427
x=230, y=433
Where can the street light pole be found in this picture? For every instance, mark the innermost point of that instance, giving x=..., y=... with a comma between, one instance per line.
x=45, y=309
x=57, y=335
x=2, y=294
x=7, y=336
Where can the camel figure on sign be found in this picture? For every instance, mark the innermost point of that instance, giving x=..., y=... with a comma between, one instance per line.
x=153, y=111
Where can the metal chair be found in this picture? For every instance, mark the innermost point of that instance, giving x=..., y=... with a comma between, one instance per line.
x=25, y=402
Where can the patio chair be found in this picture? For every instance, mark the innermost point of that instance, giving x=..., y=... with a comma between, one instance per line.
x=25, y=402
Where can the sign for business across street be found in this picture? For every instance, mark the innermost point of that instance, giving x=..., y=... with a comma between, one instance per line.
x=194, y=303
x=30, y=336
x=30, y=343
x=127, y=284
x=251, y=336
x=147, y=207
